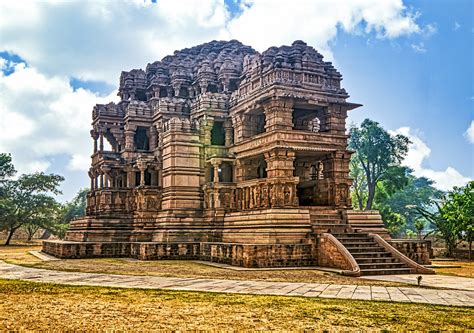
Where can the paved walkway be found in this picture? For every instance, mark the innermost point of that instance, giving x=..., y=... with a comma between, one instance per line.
x=437, y=281
x=376, y=293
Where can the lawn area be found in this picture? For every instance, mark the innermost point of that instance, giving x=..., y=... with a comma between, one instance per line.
x=466, y=270
x=19, y=255
x=38, y=306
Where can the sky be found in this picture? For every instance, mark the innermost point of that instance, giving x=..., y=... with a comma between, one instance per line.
x=409, y=62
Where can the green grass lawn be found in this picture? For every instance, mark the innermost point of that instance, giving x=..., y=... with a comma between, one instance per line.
x=38, y=306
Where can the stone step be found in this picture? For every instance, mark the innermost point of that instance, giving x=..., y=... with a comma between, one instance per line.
x=351, y=235
x=363, y=260
x=385, y=271
x=364, y=249
x=382, y=265
x=358, y=244
x=370, y=254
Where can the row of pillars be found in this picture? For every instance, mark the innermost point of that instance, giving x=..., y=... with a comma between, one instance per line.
x=104, y=180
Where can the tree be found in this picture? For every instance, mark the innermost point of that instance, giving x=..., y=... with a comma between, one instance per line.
x=444, y=227
x=453, y=219
x=359, y=183
x=28, y=200
x=376, y=151
x=459, y=208
x=6, y=166
x=76, y=207
x=419, y=225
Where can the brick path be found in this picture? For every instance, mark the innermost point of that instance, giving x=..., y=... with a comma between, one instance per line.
x=379, y=293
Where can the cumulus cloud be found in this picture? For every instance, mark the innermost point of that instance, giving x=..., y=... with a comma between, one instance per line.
x=96, y=40
x=42, y=116
x=418, y=152
x=469, y=134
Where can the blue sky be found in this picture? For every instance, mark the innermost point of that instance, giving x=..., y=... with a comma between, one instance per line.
x=410, y=63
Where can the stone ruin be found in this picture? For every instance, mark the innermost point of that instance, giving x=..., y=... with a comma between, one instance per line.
x=224, y=154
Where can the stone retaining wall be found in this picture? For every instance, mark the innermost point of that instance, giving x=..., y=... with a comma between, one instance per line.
x=245, y=255
x=417, y=250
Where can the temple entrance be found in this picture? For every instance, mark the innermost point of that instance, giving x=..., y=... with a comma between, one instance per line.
x=313, y=186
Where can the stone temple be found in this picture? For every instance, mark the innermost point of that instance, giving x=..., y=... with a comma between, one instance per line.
x=223, y=154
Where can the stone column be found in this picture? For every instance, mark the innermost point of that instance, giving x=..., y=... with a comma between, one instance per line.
x=153, y=137
x=91, y=176
x=130, y=178
x=94, y=136
x=129, y=134
x=142, y=167
x=278, y=114
x=280, y=163
x=216, y=164
x=228, y=133
x=101, y=179
x=101, y=141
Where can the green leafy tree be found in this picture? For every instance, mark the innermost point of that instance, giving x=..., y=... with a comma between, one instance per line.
x=359, y=183
x=459, y=208
x=376, y=151
x=28, y=201
x=76, y=207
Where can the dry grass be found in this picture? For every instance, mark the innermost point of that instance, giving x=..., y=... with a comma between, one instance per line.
x=466, y=270
x=41, y=307
x=175, y=268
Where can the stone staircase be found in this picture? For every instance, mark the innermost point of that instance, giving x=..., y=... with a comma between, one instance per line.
x=372, y=258
x=327, y=220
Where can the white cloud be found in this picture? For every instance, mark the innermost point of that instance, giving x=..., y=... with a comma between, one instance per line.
x=469, y=134
x=456, y=26
x=80, y=162
x=419, y=48
x=97, y=40
x=418, y=152
x=42, y=116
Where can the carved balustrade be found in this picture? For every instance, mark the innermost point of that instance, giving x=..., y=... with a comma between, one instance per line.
x=251, y=194
x=108, y=201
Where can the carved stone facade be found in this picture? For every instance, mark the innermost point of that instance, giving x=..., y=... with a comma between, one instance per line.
x=219, y=143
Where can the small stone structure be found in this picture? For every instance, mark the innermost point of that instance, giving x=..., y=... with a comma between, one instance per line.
x=220, y=153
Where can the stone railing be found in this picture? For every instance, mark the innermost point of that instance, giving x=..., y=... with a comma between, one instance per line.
x=123, y=200
x=251, y=194
x=104, y=156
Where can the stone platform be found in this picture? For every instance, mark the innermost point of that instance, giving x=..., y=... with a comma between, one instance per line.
x=245, y=255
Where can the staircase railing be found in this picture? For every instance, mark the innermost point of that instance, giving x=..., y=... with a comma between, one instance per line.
x=400, y=256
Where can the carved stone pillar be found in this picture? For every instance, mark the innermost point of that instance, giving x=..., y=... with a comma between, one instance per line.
x=130, y=178
x=101, y=179
x=153, y=138
x=95, y=136
x=238, y=128
x=280, y=163
x=278, y=114
x=91, y=176
x=129, y=136
x=216, y=164
x=228, y=133
x=101, y=141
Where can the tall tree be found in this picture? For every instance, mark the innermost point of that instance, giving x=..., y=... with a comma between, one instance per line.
x=376, y=151
x=28, y=200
